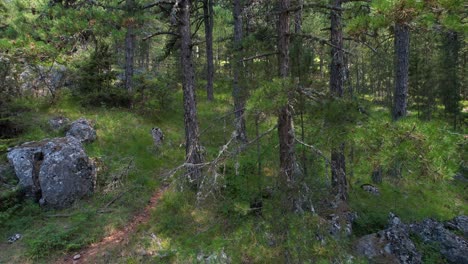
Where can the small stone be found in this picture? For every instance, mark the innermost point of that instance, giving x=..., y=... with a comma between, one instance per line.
x=77, y=257
x=14, y=238
x=158, y=136
x=371, y=189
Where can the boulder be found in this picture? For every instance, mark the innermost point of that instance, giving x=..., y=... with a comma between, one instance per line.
x=82, y=130
x=55, y=172
x=454, y=248
x=392, y=245
x=59, y=123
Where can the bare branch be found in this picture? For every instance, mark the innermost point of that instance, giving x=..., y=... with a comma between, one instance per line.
x=259, y=56
x=160, y=33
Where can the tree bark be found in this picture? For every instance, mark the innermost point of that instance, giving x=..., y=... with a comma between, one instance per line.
x=208, y=13
x=402, y=44
x=129, y=46
x=337, y=71
x=192, y=146
x=285, y=118
x=238, y=92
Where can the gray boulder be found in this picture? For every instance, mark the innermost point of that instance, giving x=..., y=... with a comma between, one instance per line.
x=59, y=123
x=392, y=245
x=82, y=130
x=454, y=248
x=56, y=172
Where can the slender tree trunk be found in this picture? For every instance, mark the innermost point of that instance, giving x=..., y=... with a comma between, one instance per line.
x=298, y=17
x=238, y=92
x=192, y=146
x=299, y=72
x=208, y=13
x=129, y=46
x=402, y=44
x=337, y=71
x=285, y=118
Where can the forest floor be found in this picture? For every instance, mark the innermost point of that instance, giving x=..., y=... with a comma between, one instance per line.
x=98, y=251
x=418, y=160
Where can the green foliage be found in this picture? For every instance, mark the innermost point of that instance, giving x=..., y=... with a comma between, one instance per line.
x=174, y=214
x=153, y=94
x=95, y=73
x=271, y=95
x=430, y=251
x=242, y=189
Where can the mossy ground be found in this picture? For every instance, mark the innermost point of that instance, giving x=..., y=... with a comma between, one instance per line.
x=425, y=154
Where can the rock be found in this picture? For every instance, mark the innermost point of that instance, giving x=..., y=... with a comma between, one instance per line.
x=215, y=258
x=82, y=130
x=371, y=189
x=59, y=123
x=342, y=219
x=454, y=248
x=14, y=238
x=158, y=136
x=459, y=223
x=77, y=257
x=42, y=80
x=391, y=245
x=55, y=172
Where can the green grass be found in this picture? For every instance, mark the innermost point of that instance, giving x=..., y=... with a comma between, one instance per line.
x=124, y=140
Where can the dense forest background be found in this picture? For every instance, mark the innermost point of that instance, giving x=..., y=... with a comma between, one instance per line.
x=292, y=128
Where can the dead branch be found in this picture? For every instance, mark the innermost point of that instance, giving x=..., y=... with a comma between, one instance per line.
x=160, y=33
x=316, y=150
x=258, y=56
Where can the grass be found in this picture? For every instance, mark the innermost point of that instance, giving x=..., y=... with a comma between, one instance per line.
x=184, y=229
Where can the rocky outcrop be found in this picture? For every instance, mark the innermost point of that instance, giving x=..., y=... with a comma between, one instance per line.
x=454, y=248
x=55, y=172
x=43, y=80
x=459, y=223
x=393, y=245
x=83, y=130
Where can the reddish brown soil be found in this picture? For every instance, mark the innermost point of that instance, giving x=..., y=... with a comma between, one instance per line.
x=93, y=252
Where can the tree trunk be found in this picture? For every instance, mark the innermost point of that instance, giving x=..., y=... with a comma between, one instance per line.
x=285, y=119
x=337, y=70
x=402, y=45
x=238, y=92
x=192, y=147
x=129, y=46
x=298, y=17
x=208, y=13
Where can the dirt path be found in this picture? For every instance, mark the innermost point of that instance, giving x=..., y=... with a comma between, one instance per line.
x=94, y=251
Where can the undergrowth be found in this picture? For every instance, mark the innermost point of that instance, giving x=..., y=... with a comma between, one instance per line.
x=243, y=217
